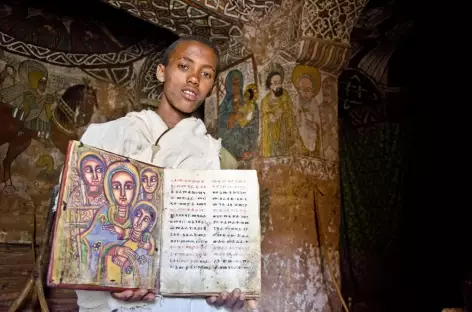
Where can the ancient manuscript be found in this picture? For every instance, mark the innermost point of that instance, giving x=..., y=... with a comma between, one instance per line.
x=124, y=224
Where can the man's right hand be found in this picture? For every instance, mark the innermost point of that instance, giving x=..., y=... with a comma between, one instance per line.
x=134, y=295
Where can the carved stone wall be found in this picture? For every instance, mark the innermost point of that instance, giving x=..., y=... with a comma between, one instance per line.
x=61, y=68
x=291, y=137
x=299, y=46
x=219, y=20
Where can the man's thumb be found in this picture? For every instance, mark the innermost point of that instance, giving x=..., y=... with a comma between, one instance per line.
x=252, y=306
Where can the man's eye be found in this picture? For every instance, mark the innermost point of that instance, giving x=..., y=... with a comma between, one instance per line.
x=206, y=75
x=181, y=66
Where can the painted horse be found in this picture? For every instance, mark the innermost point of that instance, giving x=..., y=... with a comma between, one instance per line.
x=74, y=111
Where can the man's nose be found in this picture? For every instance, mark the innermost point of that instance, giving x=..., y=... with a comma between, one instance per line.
x=193, y=79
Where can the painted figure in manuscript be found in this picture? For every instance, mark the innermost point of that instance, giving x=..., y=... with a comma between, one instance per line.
x=149, y=184
x=89, y=191
x=125, y=263
x=121, y=186
x=113, y=210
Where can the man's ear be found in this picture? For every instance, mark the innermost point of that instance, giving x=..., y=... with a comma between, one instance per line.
x=160, y=72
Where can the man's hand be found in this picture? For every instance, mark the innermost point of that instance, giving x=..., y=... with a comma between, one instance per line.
x=235, y=301
x=138, y=295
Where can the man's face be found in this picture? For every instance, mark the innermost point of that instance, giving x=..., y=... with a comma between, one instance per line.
x=276, y=85
x=189, y=76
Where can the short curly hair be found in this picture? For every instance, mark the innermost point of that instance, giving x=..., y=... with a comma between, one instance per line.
x=168, y=52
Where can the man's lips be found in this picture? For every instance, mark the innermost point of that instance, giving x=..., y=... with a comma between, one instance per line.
x=190, y=94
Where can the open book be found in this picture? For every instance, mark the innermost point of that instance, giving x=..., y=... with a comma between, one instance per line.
x=124, y=224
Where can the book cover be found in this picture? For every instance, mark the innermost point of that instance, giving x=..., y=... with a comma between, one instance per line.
x=108, y=220
x=125, y=224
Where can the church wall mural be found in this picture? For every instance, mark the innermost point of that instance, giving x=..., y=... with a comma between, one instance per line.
x=61, y=69
x=297, y=126
x=297, y=169
x=284, y=116
x=238, y=109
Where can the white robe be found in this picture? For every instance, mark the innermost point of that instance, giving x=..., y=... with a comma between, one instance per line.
x=186, y=146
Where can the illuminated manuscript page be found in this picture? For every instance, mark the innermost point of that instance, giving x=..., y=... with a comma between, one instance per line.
x=211, y=232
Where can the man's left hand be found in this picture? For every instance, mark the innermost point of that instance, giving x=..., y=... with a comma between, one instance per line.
x=234, y=300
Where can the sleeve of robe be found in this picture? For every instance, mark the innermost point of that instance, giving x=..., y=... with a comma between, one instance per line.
x=118, y=136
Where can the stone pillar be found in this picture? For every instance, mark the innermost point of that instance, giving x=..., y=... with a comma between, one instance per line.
x=286, y=94
x=299, y=174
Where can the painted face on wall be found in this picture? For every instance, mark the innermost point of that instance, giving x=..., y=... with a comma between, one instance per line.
x=329, y=89
x=305, y=88
x=276, y=85
x=123, y=188
x=149, y=181
x=42, y=84
x=141, y=220
x=93, y=174
x=235, y=85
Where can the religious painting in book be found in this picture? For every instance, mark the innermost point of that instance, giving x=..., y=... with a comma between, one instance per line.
x=125, y=224
x=111, y=209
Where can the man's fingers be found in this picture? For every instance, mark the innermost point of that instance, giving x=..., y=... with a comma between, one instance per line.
x=138, y=295
x=252, y=305
x=235, y=301
x=149, y=297
x=221, y=299
x=232, y=298
x=124, y=295
x=239, y=304
x=211, y=300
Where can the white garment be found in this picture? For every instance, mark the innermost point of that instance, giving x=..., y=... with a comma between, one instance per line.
x=186, y=146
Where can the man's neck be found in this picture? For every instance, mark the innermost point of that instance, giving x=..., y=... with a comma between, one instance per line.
x=169, y=115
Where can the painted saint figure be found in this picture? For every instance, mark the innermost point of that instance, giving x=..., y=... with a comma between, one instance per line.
x=278, y=129
x=31, y=103
x=329, y=119
x=239, y=117
x=307, y=81
x=249, y=111
x=149, y=184
x=233, y=99
x=121, y=186
x=127, y=263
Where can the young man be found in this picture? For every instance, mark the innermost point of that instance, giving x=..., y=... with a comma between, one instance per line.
x=168, y=137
